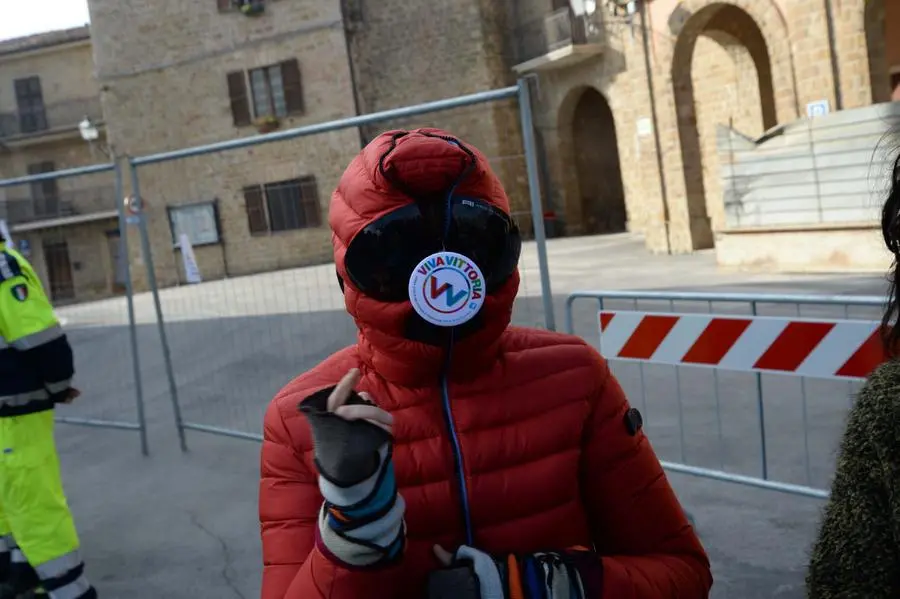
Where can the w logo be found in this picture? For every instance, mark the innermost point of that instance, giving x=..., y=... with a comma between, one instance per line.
x=447, y=289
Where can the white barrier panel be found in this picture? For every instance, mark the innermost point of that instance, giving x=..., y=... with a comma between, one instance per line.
x=842, y=349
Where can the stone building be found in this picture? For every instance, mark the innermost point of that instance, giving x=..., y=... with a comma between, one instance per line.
x=622, y=146
x=751, y=65
x=205, y=72
x=615, y=156
x=68, y=227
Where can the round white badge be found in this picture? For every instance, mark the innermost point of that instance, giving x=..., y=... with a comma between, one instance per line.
x=447, y=289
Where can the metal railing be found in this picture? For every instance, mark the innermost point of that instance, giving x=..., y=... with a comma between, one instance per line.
x=682, y=423
x=92, y=326
x=822, y=170
x=554, y=31
x=208, y=393
x=49, y=117
x=59, y=204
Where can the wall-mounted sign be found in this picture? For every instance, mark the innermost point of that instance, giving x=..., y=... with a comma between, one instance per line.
x=200, y=222
x=818, y=108
x=133, y=208
x=133, y=204
x=644, y=127
x=4, y=231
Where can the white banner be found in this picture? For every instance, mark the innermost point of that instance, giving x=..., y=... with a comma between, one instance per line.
x=4, y=231
x=191, y=270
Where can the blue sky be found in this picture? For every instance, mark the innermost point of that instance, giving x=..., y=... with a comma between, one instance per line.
x=36, y=16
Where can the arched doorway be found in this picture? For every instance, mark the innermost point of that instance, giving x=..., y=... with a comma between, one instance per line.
x=882, y=21
x=722, y=76
x=596, y=153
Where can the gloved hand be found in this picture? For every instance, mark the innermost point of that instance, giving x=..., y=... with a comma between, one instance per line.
x=467, y=574
x=71, y=395
x=361, y=522
x=348, y=431
x=473, y=574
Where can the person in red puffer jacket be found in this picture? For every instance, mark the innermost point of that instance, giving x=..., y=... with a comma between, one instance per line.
x=447, y=453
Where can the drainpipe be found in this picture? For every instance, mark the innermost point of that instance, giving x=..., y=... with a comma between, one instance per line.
x=832, y=51
x=352, y=66
x=663, y=189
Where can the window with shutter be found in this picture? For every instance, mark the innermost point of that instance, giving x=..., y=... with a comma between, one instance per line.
x=240, y=102
x=277, y=90
x=225, y=5
x=268, y=98
x=293, y=86
x=44, y=194
x=283, y=203
x=283, y=206
x=30, y=104
x=254, y=202
x=309, y=198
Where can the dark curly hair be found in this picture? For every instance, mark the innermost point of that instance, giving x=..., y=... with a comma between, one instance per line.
x=890, y=230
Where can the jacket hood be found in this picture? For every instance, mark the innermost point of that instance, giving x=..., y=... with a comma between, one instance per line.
x=421, y=162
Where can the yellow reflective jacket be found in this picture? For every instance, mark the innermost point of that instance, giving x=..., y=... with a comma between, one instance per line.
x=36, y=365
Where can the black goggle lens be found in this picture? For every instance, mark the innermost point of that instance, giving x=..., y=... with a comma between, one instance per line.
x=382, y=256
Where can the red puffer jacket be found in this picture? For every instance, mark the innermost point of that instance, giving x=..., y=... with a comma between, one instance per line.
x=548, y=460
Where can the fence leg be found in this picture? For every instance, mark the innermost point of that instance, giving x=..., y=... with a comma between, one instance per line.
x=154, y=289
x=129, y=295
x=537, y=211
x=761, y=408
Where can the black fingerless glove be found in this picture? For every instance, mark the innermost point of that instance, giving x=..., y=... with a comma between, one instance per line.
x=361, y=522
x=346, y=450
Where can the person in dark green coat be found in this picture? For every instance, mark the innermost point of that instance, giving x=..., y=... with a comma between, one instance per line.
x=857, y=553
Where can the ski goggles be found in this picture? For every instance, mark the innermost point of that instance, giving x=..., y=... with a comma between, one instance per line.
x=381, y=257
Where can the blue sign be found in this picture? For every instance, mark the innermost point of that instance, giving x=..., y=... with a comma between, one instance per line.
x=818, y=108
x=25, y=247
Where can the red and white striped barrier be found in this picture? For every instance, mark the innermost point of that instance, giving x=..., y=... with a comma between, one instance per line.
x=844, y=349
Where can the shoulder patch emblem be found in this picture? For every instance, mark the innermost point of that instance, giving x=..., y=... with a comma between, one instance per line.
x=20, y=292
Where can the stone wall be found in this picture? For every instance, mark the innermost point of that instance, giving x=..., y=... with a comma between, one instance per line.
x=90, y=258
x=408, y=53
x=66, y=74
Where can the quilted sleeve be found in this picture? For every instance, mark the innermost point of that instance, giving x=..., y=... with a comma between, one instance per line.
x=649, y=549
x=289, y=506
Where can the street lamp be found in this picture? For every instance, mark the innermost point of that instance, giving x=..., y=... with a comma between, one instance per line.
x=90, y=134
x=88, y=130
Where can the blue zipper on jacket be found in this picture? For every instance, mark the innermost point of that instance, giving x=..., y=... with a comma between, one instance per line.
x=445, y=385
x=457, y=451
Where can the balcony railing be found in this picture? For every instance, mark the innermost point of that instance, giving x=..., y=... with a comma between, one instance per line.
x=555, y=31
x=61, y=204
x=49, y=117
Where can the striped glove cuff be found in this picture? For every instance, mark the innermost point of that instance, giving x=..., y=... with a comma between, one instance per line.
x=552, y=575
x=362, y=525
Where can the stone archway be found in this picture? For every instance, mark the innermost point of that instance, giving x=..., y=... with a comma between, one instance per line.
x=601, y=206
x=744, y=70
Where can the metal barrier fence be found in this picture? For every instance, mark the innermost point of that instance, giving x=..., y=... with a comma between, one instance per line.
x=253, y=301
x=711, y=422
x=70, y=226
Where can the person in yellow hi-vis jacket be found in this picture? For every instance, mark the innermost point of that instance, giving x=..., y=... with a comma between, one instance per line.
x=39, y=547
